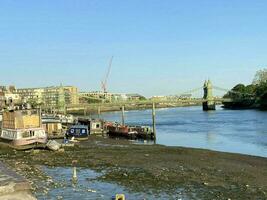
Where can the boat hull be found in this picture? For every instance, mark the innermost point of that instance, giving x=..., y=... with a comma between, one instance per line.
x=22, y=142
x=23, y=137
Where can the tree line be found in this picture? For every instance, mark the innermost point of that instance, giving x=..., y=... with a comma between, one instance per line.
x=253, y=95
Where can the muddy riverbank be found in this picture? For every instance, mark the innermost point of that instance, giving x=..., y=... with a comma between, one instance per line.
x=196, y=173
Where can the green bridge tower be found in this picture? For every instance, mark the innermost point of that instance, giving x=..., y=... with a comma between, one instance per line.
x=209, y=103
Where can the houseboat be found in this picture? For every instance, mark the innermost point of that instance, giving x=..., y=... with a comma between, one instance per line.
x=95, y=126
x=129, y=132
x=118, y=130
x=22, y=128
x=78, y=132
x=53, y=127
x=67, y=119
x=144, y=132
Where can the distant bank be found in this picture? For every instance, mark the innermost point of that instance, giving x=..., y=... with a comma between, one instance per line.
x=105, y=108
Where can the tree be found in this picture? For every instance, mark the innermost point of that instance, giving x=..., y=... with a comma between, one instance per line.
x=260, y=76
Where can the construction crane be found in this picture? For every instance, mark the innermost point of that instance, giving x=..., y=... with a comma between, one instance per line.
x=104, y=82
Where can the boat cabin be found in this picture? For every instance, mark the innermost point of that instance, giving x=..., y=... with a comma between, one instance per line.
x=52, y=126
x=95, y=126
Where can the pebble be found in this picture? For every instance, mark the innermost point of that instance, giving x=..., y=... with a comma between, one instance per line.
x=61, y=151
x=90, y=190
x=36, y=151
x=125, y=175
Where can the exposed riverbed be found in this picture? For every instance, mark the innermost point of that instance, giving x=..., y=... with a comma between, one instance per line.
x=140, y=172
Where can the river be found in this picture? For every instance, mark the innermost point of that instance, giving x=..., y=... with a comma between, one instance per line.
x=236, y=131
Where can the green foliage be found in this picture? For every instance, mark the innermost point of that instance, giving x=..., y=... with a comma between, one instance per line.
x=261, y=93
x=91, y=100
x=254, y=95
x=261, y=89
x=34, y=103
x=260, y=77
x=142, y=98
x=241, y=92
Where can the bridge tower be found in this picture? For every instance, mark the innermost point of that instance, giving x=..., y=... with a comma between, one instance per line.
x=209, y=103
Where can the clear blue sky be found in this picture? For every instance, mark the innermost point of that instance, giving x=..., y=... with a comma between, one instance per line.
x=159, y=47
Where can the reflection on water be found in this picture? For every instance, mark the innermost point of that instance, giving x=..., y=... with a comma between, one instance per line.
x=88, y=187
x=239, y=131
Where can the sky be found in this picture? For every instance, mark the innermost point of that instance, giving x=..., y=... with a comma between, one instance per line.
x=159, y=47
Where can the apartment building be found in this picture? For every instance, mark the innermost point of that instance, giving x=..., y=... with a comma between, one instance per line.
x=54, y=96
x=8, y=95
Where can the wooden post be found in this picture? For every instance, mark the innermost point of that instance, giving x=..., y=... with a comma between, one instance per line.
x=74, y=172
x=65, y=110
x=84, y=112
x=154, y=121
x=122, y=116
x=40, y=117
x=99, y=112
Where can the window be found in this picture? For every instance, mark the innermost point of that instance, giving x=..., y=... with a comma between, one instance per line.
x=31, y=133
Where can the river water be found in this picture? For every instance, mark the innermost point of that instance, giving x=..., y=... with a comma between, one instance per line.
x=237, y=131
x=90, y=188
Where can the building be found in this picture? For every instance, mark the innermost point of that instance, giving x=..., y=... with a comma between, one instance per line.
x=185, y=96
x=119, y=97
x=98, y=95
x=159, y=98
x=135, y=97
x=8, y=95
x=108, y=97
x=55, y=96
x=31, y=94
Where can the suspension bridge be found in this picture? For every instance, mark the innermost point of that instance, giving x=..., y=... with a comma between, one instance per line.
x=208, y=101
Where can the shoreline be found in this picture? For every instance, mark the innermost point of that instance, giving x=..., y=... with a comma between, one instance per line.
x=104, y=109
x=208, y=174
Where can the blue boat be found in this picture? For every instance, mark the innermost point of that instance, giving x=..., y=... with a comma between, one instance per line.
x=79, y=132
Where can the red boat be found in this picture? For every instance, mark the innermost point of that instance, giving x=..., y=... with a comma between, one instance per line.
x=130, y=132
x=117, y=130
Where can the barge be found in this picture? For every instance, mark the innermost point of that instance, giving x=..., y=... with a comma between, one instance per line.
x=129, y=132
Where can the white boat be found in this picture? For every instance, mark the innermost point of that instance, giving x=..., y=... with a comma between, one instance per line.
x=21, y=137
x=22, y=127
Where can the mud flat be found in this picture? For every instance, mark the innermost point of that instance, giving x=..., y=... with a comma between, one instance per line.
x=196, y=173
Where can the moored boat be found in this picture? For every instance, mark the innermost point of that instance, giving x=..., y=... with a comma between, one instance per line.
x=78, y=132
x=129, y=132
x=22, y=128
